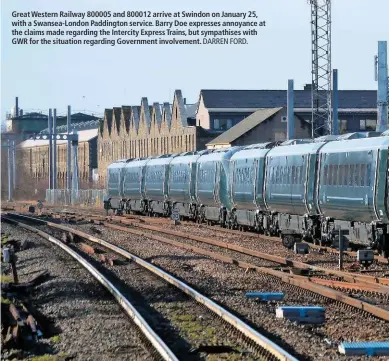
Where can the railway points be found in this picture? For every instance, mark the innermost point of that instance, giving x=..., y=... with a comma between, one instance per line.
x=84, y=224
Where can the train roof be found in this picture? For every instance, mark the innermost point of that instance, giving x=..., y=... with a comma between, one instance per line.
x=254, y=151
x=356, y=145
x=218, y=154
x=296, y=149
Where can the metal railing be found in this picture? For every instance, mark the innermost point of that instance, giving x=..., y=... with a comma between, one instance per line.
x=81, y=197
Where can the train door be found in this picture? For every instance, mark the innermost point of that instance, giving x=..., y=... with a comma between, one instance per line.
x=217, y=183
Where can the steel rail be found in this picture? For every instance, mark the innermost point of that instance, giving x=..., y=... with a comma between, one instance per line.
x=155, y=340
x=383, y=282
x=299, y=281
x=245, y=329
x=379, y=258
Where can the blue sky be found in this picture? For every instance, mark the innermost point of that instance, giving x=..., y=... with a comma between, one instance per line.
x=94, y=78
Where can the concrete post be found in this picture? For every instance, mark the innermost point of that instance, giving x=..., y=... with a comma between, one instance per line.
x=10, y=183
x=50, y=164
x=335, y=102
x=340, y=249
x=69, y=152
x=290, y=110
x=382, y=94
x=75, y=171
x=54, y=150
x=13, y=142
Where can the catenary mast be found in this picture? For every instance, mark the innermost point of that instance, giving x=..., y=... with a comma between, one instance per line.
x=321, y=67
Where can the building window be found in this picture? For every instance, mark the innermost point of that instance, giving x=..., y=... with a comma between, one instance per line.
x=216, y=124
x=371, y=124
x=343, y=126
x=279, y=136
x=229, y=123
x=362, y=124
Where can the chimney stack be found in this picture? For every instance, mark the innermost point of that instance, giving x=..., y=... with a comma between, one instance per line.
x=17, y=107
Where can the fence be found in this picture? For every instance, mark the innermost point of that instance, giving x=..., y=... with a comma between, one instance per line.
x=83, y=197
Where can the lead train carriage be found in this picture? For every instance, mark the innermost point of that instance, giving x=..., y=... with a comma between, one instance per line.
x=305, y=190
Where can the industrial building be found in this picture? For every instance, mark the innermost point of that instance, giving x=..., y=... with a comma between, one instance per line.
x=264, y=125
x=146, y=130
x=34, y=155
x=27, y=124
x=220, y=110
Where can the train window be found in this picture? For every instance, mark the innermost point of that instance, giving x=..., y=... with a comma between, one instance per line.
x=368, y=175
x=357, y=175
x=329, y=181
x=290, y=179
x=335, y=175
x=282, y=177
x=345, y=174
x=363, y=174
x=351, y=175
x=325, y=175
x=339, y=175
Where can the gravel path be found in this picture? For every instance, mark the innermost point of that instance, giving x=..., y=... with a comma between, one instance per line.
x=227, y=284
x=91, y=325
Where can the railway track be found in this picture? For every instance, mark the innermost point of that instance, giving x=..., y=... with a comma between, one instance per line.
x=214, y=228
x=216, y=319
x=298, y=288
x=372, y=289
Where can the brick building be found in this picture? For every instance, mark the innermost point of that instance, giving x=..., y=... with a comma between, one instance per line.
x=146, y=130
x=33, y=163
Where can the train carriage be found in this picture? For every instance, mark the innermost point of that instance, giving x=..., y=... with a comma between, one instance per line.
x=156, y=185
x=247, y=170
x=301, y=189
x=182, y=183
x=212, y=185
x=114, y=198
x=290, y=196
x=133, y=185
x=353, y=189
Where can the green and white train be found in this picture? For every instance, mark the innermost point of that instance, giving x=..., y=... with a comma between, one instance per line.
x=300, y=189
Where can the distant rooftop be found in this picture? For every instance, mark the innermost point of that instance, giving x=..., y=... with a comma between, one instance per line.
x=255, y=99
x=92, y=124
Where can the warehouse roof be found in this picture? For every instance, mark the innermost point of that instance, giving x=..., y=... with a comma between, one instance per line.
x=244, y=126
x=277, y=98
x=92, y=124
x=83, y=136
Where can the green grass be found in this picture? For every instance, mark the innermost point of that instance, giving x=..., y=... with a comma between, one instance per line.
x=5, y=301
x=55, y=338
x=6, y=279
x=48, y=357
x=4, y=239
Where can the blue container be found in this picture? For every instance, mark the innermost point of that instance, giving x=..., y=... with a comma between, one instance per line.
x=365, y=348
x=266, y=296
